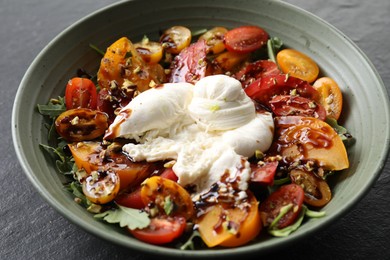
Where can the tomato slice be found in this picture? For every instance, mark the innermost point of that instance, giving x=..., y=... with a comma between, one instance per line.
x=289, y=105
x=297, y=64
x=263, y=89
x=264, y=174
x=317, y=191
x=80, y=93
x=283, y=196
x=190, y=65
x=245, y=39
x=151, y=52
x=256, y=70
x=161, y=230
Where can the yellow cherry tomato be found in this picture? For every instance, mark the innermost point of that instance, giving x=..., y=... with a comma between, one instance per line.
x=297, y=64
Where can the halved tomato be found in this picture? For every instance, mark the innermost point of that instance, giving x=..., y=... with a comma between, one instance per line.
x=290, y=194
x=245, y=39
x=169, y=197
x=317, y=191
x=80, y=93
x=101, y=187
x=175, y=39
x=297, y=64
x=161, y=230
x=214, y=39
x=264, y=174
x=330, y=96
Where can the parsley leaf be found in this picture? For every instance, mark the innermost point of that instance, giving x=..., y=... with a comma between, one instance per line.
x=132, y=218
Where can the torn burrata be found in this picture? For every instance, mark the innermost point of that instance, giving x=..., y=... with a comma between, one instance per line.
x=209, y=129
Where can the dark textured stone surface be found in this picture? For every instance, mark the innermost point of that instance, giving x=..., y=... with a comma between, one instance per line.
x=31, y=229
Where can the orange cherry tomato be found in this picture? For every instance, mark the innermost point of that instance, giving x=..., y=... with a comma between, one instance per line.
x=81, y=124
x=297, y=64
x=175, y=39
x=101, y=187
x=330, y=96
x=214, y=39
x=150, y=51
x=169, y=197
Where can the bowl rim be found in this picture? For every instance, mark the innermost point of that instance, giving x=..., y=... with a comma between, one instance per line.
x=146, y=248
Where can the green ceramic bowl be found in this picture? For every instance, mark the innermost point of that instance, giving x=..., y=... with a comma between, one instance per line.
x=366, y=106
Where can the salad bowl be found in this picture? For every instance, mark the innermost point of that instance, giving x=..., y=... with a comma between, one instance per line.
x=365, y=112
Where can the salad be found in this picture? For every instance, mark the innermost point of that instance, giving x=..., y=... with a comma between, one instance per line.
x=200, y=139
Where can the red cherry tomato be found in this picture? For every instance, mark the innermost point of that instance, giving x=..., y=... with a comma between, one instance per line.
x=80, y=93
x=190, y=65
x=263, y=89
x=286, y=194
x=264, y=174
x=161, y=230
x=288, y=105
x=168, y=173
x=256, y=70
x=245, y=39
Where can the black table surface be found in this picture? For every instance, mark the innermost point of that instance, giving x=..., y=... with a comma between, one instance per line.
x=31, y=229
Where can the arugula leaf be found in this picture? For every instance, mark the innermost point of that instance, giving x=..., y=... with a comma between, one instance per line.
x=94, y=47
x=347, y=138
x=273, y=46
x=189, y=244
x=54, y=107
x=132, y=218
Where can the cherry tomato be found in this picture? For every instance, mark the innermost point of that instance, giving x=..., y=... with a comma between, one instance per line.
x=167, y=194
x=101, y=187
x=168, y=173
x=80, y=93
x=256, y=70
x=190, y=65
x=297, y=65
x=283, y=196
x=175, y=39
x=263, y=89
x=288, y=105
x=214, y=39
x=264, y=174
x=150, y=51
x=317, y=191
x=245, y=39
x=161, y=230
x=330, y=96
x=81, y=124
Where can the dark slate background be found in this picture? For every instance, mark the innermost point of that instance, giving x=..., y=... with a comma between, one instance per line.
x=31, y=229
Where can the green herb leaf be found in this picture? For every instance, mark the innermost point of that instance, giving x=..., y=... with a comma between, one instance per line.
x=289, y=229
x=273, y=46
x=126, y=217
x=52, y=150
x=168, y=205
x=54, y=107
x=189, y=244
x=347, y=138
x=198, y=32
x=94, y=47
x=76, y=189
